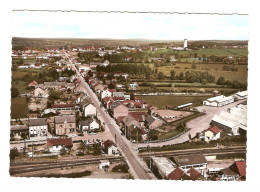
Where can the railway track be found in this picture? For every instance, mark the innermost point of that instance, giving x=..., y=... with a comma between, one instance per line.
x=40, y=166
x=207, y=151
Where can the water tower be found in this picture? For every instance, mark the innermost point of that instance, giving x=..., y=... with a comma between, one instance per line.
x=185, y=44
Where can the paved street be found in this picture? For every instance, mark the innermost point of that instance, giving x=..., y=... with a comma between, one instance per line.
x=134, y=161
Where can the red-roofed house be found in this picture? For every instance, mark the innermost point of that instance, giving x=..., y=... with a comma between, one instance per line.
x=56, y=145
x=194, y=174
x=32, y=84
x=178, y=174
x=212, y=133
x=139, y=116
x=239, y=167
x=109, y=147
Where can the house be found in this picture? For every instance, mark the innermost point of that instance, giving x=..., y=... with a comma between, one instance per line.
x=38, y=127
x=90, y=110
x=240, y=168
x=129, y=120
x=99, y=88
x=164, y=166
x=119, y=110
x=178, y=174
x=228, y=175
x=63, y=107
x=17, y=131
x=65, y=125
x=88, y=126
x=118, y=94
x=194, y=174
x=139, y=116
x=109, y=147
x=105, y=93
x=196, y=161
x=56, y=145
x=32, y=84
x=40, y=92
x=235, y=172
x=133, y=86
x=106, y=63
x=83, y=68
x=104, y=164
x=212, y=133
x=218, y=101
x=153, y=122
x=135, y=133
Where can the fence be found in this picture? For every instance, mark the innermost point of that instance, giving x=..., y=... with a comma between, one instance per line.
x=164, y=140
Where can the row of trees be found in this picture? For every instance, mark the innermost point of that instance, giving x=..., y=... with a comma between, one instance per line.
x=130, y=69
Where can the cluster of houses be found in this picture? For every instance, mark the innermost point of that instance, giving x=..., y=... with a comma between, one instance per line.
x=194, y=167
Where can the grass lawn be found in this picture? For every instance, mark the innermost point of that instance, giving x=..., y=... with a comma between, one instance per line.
x=162, y=101
x=20, y=85
x=19, y=74
x=19, y=108
x=169, y=134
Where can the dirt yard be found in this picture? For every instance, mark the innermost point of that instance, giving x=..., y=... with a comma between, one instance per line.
x=95, y=172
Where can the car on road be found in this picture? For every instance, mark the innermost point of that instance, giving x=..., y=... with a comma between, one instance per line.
x=92, y=133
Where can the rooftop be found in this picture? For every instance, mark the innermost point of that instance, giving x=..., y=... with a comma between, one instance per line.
x=37, y=122
x=192, y=159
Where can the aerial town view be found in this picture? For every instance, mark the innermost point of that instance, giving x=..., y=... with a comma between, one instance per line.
x=165, y=107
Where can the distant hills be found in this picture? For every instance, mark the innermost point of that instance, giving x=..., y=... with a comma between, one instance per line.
x=19, y=42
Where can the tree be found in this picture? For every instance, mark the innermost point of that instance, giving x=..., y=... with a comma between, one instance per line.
x=13, y=153
x=172, y=77
x=181, y=76
x=153, y=135
x=221, y=80
x=160, y=76
x=14, y=92
x=132, y=96
x=90, y=73
x=23, y=135
x=54, y=95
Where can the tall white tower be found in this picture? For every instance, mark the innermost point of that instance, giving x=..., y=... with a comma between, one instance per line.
x=185, y=44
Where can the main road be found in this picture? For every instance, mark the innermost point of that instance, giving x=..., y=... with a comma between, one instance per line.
x=137, y=166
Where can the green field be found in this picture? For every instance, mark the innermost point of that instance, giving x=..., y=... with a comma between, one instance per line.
x=20, y=85
x=217, y=52
x=207, y=52
x=19, y=108
x=162, y=101
x=214, y=69
x=20, y=74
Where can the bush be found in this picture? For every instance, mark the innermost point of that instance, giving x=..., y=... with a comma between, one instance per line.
x=121, y=168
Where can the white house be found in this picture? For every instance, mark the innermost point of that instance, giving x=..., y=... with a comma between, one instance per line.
x=38, y=127
x=87, y=126
x=56, y=145
x=109, y=147
x=39, y=92
x=106, y=63
x=105, y=93
x=212, y=133
x=103, y=164
x=218, y=101
x=90, y=110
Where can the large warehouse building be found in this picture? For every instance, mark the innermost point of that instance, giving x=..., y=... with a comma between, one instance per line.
x=234, y=121
x=218, y=101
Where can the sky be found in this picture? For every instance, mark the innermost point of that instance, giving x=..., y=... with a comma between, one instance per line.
x=35, y=24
